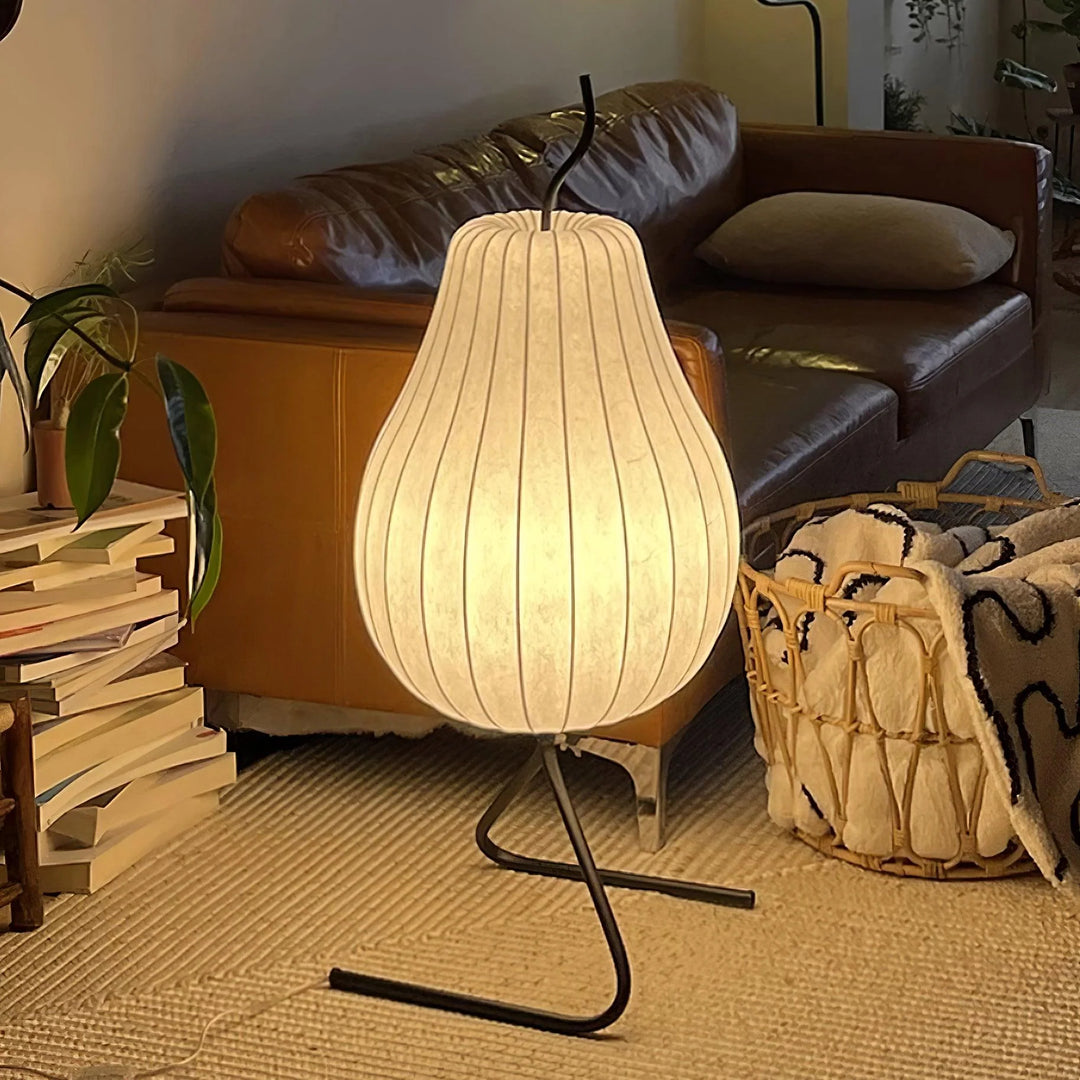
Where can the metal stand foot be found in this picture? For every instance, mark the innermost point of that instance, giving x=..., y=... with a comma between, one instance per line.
x=1027, y=427
x=509, y=860
x=545, y=756
x=647, y=767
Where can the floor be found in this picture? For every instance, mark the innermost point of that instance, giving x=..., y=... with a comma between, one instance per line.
x=358, y=852
x=1057, y=415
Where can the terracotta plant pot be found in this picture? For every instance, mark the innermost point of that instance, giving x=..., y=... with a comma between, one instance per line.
x=1072, y=84
x=52, y=485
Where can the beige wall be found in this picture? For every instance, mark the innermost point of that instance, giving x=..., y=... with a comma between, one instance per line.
x=763, y=59
x=151, y=118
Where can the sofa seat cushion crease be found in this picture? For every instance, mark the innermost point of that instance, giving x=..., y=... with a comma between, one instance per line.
x=306, y=340
x=935, y=350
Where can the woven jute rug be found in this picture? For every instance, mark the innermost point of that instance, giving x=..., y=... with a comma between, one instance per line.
x=358, y=852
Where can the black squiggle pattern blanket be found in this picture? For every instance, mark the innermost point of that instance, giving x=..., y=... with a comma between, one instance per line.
x=1017, y=628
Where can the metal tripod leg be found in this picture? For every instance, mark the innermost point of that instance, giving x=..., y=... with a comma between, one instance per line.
x=546, y=756
x=684, y=890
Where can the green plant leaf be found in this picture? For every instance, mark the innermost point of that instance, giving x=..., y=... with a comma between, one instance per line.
x=1071, y=23
x=53, y=303
x=966, y=125
x=211, y=569
x=193, y=430
x=191, y=425
x=1060, y=7
x=1010, y=73
x=92, y=447
x=1045, y=26
x=1065, y=190
x=10, y=366
x=42, y=342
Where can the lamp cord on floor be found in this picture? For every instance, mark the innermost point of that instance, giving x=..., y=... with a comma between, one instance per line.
x=130, y=1072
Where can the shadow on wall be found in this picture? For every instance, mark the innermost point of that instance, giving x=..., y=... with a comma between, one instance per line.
x=169, y=120
x=152, y=120
x=404, y=75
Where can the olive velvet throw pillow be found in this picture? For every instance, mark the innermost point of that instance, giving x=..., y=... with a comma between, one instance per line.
x=858, y=241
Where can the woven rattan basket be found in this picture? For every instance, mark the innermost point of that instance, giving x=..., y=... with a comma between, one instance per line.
x=783, y=724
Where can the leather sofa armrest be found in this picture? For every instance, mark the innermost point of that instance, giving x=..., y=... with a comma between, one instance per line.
x=1006, y=183
x=298, y=300
x=702, y=361
x=696, y=348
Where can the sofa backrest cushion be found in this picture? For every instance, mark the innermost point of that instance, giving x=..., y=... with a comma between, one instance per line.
x=384, y=225
x=666, y=158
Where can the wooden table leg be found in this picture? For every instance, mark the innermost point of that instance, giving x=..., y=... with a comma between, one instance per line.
x=20, y=841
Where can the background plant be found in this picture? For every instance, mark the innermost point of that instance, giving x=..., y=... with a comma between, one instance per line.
x=903, y=106
x=941, y=21
x=91, y=332
x=1017, y=75
x=1069, y=10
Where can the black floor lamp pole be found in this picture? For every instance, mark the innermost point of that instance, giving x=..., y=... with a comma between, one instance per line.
x=546, y=756
x=819, y=59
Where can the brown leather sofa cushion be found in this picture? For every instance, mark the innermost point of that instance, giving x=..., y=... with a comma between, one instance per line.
x=666, y=159
x=380, y=226
x=798, y=434
x=933, y=349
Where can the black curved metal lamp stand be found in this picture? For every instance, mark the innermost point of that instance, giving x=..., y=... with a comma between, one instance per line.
x=819, y=62
x=546, y=757
x=588, y=130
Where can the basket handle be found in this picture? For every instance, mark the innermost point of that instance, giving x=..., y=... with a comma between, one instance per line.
x=994, y=457
x=851, y=569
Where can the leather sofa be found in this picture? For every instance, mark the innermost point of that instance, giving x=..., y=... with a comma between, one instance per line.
x=306, y=339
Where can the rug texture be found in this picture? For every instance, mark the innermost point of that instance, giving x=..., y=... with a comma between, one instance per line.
x=358, y=852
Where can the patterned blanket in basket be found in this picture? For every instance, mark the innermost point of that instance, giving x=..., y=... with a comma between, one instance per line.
x=1004, y=645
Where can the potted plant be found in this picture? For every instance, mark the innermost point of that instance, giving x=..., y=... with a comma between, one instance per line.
x=1069, y=10
x=80, y=356
x=71, y=366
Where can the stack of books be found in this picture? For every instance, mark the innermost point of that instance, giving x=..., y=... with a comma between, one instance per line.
x=123, y=763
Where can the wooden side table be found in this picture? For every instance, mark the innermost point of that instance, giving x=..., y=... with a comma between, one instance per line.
x=18, y=832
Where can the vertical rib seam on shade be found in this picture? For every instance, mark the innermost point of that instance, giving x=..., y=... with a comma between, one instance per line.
x=689, y=404
x=521, y=476
x=470, y=239
x=618, y=481
x=569, y=500
x=496, y=338
x=660, y=476
x=387, y=436
x=431, y=495
x=661, y=343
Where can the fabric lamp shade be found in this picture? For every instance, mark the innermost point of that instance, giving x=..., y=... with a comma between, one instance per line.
x=547, y=531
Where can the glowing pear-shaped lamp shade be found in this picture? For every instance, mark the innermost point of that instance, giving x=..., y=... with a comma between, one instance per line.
x=547, y=531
